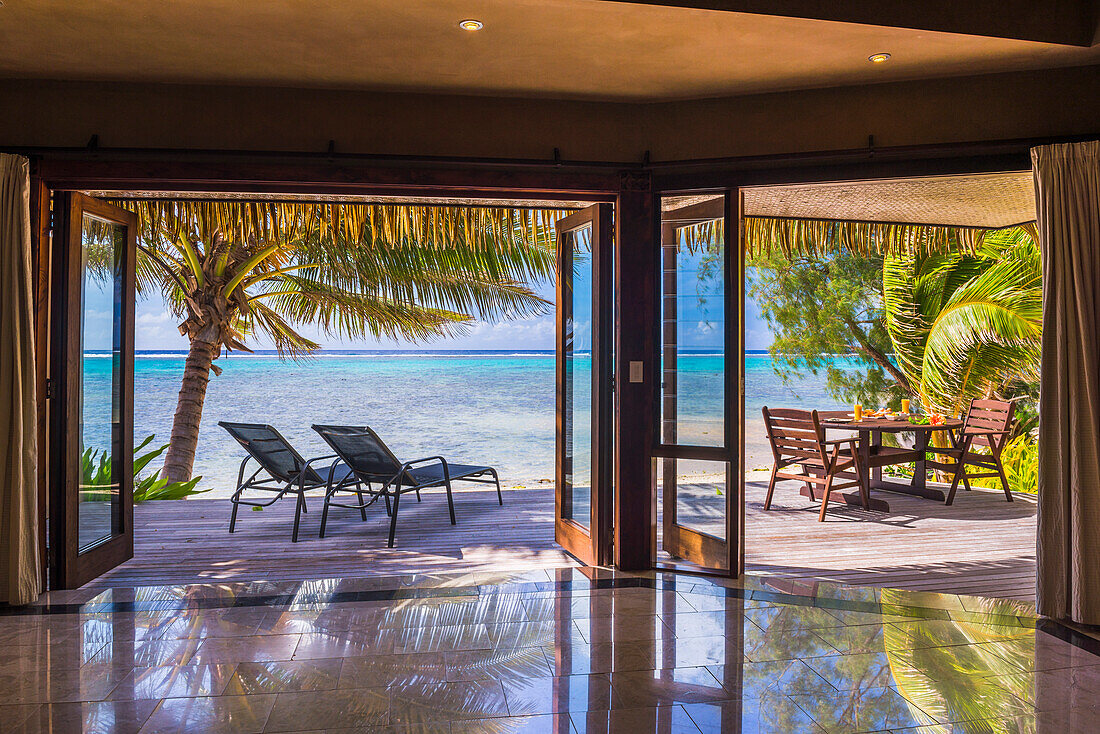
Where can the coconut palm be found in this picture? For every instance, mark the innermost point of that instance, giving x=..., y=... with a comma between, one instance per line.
x=234, y=272
x=966, y=325
x=818, y=284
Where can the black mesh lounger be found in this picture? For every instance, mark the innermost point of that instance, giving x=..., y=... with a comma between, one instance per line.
x=281, y=470
x=372, y=463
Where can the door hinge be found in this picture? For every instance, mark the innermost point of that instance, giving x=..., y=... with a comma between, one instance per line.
x=612, y=383
x=49, y=388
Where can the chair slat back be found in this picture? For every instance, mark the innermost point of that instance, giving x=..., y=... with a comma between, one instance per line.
x=795, y=434
x=988, y=415
x=270, y=450
x=361, y=449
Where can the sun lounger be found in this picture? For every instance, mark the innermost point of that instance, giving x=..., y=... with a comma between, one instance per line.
x=281, y=470
x=374, y=466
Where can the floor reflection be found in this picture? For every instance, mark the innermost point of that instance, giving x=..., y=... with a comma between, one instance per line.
x=566, y=651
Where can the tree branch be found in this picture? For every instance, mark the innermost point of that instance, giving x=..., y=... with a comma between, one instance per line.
x=876, y=356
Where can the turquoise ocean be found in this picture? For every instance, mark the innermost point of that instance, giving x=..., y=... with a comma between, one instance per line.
x=491, y=407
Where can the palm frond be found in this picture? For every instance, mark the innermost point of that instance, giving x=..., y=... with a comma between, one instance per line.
x=288, y=342
x=823, y=236
x=988, y=332
x=964, y=325
x=356, y=270
x=354, y=314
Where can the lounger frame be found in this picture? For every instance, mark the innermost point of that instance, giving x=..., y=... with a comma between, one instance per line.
x=389, y=478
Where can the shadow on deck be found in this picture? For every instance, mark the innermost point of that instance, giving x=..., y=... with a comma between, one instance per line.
x=981, y=545
x=188, y=541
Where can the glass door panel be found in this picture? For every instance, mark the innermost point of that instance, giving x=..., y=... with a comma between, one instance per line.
x=693, y=332
x=102, y=249
x=577, y=463
x=91, y=498
x=695, y=451
x=583, y=501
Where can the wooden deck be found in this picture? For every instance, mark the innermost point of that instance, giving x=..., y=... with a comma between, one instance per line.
x=981, y=545
x=188, y=541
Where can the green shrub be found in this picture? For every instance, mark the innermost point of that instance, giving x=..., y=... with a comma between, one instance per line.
x=95, y=471
x=1020, y=459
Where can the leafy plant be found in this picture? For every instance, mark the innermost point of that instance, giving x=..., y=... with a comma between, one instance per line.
x=1020, y=459
x=95, y=471
x=820, y=304
x=966, y=325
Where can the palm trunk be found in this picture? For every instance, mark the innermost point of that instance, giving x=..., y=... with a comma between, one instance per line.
x=185, y=426
x=863, y=343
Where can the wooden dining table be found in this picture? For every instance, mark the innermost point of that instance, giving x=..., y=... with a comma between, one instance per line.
x=874, y=456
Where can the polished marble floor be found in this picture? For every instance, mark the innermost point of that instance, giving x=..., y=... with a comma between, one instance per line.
x=561, y=650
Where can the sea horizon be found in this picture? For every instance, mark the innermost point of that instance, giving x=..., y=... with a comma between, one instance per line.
x=482, y=406
x=418, y=351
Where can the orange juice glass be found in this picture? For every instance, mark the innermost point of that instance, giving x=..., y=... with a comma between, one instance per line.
x=905, y=406
x=857, y=411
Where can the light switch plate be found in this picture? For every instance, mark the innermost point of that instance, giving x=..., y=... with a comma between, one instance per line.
x=636, y=372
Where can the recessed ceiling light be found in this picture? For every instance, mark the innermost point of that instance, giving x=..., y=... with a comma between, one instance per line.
x=879, y=58
x=470, y=24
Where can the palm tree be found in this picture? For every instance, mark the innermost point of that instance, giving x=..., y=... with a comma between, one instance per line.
x=962, y=307
x=966, y=325
x=237, y=271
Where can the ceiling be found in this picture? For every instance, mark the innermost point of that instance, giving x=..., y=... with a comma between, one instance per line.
x=577, y=49
x=991, y=200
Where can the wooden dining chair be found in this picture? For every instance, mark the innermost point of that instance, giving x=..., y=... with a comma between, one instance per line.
x=798, y=440
x=987, y=424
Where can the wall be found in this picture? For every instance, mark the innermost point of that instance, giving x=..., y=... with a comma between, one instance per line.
x=1051, y=103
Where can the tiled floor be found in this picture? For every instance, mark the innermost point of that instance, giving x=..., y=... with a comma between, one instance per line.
x=564, y=651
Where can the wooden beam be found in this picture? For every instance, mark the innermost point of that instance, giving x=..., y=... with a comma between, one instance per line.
x=238, y=173
x=637, y=260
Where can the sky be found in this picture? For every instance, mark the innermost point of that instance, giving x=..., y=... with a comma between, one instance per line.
x=155, y=329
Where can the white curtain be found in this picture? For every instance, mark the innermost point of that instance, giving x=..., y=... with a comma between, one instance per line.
x=20, y=570
x=1067, y=187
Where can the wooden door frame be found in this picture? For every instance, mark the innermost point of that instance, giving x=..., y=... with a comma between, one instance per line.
x=69, y=568
x=706, y=553
x=592, y=545
x=735, y=175
x=69, y=172
x=633, y=188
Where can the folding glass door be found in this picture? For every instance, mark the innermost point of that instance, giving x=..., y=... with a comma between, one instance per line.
x=699, y=341
x=91, y=494
x=583, y=499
